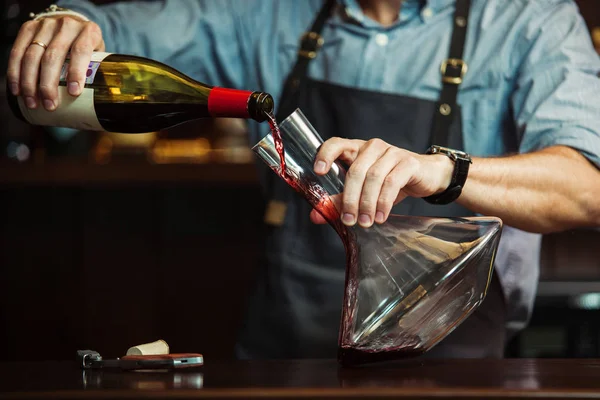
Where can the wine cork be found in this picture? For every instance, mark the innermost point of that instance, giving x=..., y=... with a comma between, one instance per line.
x=153, y=348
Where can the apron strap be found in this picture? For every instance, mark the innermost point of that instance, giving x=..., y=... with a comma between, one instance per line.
x=310, y=43
x=453, y=70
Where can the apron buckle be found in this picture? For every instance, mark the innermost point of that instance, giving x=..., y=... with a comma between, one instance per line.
x=458, y=69
x=310, y=43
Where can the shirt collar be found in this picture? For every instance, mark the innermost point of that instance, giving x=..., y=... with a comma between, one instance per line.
x=410, y=8
x=438, y=5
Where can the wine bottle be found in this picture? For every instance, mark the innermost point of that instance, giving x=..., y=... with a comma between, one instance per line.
x=130, y=94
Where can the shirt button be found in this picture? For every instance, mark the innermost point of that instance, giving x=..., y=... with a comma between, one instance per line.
x=381, y=39
x=426, y=13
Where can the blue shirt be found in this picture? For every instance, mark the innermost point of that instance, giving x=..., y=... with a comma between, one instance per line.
x=532, y=77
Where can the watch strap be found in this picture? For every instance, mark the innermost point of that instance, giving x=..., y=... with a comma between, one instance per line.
x=459, y=178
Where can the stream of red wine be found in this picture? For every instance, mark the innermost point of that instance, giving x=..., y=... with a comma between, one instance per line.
x=276, y=133
x=323, y=203
x=312, y=191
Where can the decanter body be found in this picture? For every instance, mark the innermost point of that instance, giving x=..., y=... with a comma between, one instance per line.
x=409, y=281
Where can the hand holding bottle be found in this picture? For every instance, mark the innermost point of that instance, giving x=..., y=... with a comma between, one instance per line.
x=83, y=87
x=39, y=53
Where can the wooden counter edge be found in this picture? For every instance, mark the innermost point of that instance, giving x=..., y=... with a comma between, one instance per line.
x=312, y=393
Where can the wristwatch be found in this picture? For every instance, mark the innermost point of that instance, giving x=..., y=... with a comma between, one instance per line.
x=462, y=161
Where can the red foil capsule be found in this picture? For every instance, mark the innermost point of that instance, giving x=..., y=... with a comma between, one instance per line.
x=229, y=103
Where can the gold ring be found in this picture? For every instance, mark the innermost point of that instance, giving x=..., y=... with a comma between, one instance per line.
x=41, y=44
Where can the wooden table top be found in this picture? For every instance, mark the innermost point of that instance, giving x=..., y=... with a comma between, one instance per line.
x=467, y=379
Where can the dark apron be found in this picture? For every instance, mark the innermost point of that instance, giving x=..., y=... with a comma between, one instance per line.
x=296, y=309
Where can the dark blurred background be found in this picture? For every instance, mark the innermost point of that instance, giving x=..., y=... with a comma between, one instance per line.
x=108, y=241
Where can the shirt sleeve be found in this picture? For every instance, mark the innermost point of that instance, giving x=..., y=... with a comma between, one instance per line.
x=199, y=38
x=557, y=96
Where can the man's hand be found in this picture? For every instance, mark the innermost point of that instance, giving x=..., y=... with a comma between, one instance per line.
x=29, y=63
x=549, y=190
x=380, y=176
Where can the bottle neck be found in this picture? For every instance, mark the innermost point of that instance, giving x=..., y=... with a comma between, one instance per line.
x=260, y=105
x=232, y=103
x=229, y=103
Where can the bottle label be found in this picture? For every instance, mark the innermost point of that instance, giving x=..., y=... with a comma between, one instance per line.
x=72, y=112
x=89, y=76
x=95, y=61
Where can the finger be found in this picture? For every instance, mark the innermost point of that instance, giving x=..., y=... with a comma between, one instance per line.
x=54, y=58
x=89, y=40
x=371, y=207
x=30, y=66
x=355, y=178
x=22, y=42
x=333, y=149
x=391, y=192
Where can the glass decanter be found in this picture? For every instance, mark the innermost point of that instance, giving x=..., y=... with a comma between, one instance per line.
x=409, y=281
